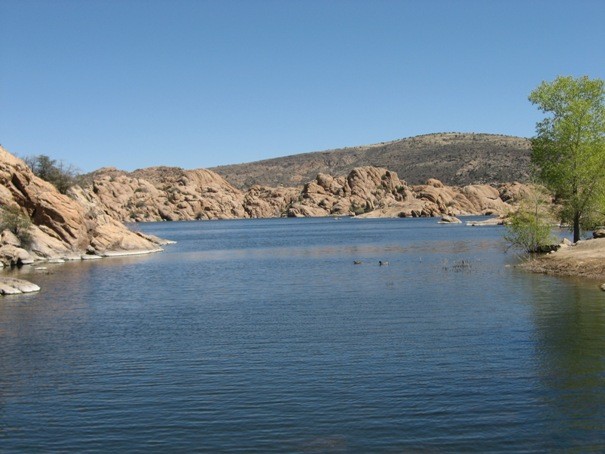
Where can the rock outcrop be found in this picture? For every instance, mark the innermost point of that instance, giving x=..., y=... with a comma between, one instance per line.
x=61, y=226
x=13, y=286
x=377, y=192
x=165, y=193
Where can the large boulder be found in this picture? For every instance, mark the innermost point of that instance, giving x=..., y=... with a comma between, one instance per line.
x=13, y=286
x=14, y=256
x=449, y=220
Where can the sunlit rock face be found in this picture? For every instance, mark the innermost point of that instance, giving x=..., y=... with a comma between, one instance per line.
x=168, y=193
x=62, y=225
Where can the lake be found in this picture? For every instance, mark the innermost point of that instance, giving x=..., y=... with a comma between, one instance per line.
x=264, y=336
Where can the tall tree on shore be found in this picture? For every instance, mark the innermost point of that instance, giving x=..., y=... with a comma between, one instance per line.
x=569, y=147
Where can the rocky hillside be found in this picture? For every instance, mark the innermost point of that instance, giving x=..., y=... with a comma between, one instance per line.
x=163, y=193
x=166, y=193
x=454, y=158
x=40, y=223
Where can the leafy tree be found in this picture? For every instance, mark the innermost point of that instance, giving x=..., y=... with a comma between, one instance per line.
x=569, y=147
x=56, y=172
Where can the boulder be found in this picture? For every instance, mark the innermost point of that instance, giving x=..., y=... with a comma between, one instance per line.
x=8, y=237
x=598, y=233
x=14, y=256
x=13, y=286
x=487, y=222
x=449, y=220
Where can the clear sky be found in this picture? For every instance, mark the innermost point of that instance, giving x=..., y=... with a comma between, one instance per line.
x=199, y=83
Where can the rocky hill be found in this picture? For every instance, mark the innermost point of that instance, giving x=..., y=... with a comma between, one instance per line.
x=40, y=223
x=454, y=158
x=166, y=193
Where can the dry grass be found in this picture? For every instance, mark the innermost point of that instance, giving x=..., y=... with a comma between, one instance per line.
x=454, y=158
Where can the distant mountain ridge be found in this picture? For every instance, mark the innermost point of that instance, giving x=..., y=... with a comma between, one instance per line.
x=454, y=158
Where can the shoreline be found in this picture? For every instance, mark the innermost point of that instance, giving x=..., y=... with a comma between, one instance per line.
x=585, y=260
x=10, y=285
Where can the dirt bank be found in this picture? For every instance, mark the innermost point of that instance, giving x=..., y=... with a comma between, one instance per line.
x=586, y=259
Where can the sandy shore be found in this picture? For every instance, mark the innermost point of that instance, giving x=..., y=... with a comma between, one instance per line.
x=586, y=259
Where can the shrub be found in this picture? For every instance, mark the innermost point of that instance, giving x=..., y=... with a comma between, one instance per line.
x=55, y=172
x=14, y=220
x=530, y=227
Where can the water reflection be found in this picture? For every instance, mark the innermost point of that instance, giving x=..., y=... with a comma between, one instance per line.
x=570, y=351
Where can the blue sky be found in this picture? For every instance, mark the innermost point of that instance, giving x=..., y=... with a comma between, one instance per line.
x=199, y=83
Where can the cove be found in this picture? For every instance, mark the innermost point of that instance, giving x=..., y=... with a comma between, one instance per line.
x=264, y=336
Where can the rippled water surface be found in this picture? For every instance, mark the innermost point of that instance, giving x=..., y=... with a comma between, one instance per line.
x=262, y=335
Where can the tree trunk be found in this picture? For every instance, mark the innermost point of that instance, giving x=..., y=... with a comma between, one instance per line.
x=576, y=227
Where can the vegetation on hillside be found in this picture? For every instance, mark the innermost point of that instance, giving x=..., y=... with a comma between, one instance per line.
x=62, y=176
x=454, y=158
x=17, y=222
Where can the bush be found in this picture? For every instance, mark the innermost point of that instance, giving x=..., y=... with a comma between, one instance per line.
x=530, y=227
x=360, y=208
x=14, y=220
x=55, y=172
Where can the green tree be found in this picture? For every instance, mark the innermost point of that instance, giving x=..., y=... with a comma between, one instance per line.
x=569, y=147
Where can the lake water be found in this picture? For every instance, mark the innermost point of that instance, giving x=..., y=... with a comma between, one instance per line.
x=264, y=336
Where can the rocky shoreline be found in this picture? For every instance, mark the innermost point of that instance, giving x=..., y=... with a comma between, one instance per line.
x=86, y=223
x=39, y=224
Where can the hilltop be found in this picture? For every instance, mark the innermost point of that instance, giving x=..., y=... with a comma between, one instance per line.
x=454, y=158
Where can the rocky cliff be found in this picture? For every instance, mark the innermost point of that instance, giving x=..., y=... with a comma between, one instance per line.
x=61, y=226
x=163, y=193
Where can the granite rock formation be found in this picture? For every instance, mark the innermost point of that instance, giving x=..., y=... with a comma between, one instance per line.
x=60, y=225
x=163, y=193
